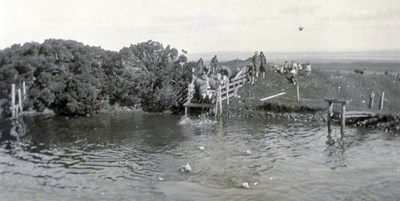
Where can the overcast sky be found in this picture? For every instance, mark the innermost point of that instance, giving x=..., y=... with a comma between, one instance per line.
x=207, y=25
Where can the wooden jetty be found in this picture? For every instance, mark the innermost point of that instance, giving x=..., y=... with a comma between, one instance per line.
x=345, y=114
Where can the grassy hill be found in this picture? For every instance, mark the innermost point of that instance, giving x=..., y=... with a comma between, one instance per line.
x=321, y=84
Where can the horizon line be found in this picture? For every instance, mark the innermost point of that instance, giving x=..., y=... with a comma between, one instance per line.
x=221, y=51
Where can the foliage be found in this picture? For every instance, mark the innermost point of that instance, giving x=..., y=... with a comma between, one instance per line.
x=159, y=73
x=75, y=79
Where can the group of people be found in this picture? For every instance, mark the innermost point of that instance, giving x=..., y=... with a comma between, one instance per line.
x=293, y=69
x=257, y=67
x=207, y=78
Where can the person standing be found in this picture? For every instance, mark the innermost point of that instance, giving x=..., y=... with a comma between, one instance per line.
x=214, y=64
x=250, y=73
x=256, y=63
x=263, y=66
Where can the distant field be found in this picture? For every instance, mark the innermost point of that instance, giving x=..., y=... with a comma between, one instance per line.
x=312, y=57
x=369, y=67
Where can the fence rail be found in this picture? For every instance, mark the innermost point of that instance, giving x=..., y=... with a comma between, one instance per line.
x=226, y=89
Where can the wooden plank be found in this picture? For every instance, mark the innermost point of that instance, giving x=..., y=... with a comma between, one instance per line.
x=359, y=114
x=273, y=96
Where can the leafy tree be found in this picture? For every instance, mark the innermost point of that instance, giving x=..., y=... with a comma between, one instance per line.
x=75, y=79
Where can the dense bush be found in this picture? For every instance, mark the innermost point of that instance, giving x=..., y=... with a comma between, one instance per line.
x=75, y=79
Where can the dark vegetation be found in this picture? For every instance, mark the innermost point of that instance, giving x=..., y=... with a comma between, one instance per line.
x=76, y=79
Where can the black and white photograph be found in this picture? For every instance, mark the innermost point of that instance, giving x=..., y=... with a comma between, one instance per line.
x=153, y=100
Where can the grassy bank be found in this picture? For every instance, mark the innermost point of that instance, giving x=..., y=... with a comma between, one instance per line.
x=314, y=88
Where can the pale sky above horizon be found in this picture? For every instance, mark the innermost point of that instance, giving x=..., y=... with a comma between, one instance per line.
x=207, y=25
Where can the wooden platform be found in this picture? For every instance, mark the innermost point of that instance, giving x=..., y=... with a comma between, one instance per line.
x=360, y=114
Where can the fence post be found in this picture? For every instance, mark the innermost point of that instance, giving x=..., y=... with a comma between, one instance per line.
x=382, y=100
x=343, y=118
x=371, y=100
x=236, y=88
x=227, y=91
x=242, y=77
x=298, y=93
x=220, y=99
x=216, y=102
x=330, y=110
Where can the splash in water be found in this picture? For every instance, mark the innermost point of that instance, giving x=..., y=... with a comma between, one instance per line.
x=202, y=120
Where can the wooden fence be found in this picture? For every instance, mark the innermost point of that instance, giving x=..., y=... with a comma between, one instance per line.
x=226, y=89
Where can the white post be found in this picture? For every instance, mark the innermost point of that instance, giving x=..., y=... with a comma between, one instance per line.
x=13, y=115
x=220, y=99
x=298, y=94
x=382, y=100
x=19, y=102
x=23, y=90
x=227, y=91
x=236, y=88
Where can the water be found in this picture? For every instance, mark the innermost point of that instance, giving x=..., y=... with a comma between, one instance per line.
x=136, y=156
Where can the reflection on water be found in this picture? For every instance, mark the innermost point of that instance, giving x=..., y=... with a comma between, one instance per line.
x=137, y=156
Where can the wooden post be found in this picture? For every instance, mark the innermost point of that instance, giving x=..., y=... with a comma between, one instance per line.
x=227, y=91
x=382, y=100
x=217, y=96
x=220, y=99
x=23, y=90
x=343, y=118
x=236, y=85
x=13, y=115
x=19, y=102
x=330, y=110
x=242, y=77
x=298, y=93
x=371, y=100
x=186, y=110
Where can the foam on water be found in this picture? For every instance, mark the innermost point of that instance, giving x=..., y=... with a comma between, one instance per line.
x=201, y=120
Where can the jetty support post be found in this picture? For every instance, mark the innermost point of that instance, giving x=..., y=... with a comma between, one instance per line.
x=13, y=114
x=298, y=93
x=343, y=115
x=24, y=90
x=19, y=110
x=382, y=101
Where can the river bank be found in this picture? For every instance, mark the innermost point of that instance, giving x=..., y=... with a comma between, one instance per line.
x=314, y=88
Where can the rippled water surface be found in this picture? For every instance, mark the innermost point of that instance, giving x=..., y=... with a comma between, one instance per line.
x=137, y=156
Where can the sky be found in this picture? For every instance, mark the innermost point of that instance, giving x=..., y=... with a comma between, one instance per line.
x=207, y=25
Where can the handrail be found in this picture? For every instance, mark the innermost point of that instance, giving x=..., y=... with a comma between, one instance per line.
x=224, y=91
